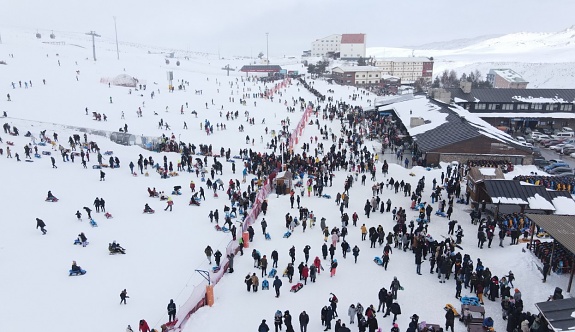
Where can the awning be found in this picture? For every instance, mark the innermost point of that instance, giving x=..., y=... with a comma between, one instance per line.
x=560, y=314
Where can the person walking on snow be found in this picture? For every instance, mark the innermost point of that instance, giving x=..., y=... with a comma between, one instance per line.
x=208, y=251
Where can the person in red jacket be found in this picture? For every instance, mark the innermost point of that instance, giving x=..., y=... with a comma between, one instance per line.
x=305, y=274
x=144, y=326
x=317, y=263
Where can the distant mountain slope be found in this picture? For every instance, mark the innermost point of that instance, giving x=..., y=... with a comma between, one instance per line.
x=452, y=44
x=544, y=59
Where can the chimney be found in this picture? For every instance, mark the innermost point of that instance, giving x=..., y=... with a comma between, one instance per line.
x=465, y=86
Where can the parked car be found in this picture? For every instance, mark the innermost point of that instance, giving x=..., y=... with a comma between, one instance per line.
x=541, y=137
x=520, y=139
x=541, y=163
x=567, y=150
x=557, y=147
x=550, y=142
x=555, y=165
x=553, y=161
x=561, y=170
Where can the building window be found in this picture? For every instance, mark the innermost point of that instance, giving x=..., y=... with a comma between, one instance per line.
x=567, y=107
x=494, y=107
x=551, y=107
x=536, y=106
x=363, y=75
x=522, y=106
x=480, y=106
x=369, y=75
x=507, y=107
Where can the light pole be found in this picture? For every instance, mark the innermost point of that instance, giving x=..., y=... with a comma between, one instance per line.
x=267, y=48
x=116, y=30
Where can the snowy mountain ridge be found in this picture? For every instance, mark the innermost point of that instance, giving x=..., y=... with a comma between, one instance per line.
x=544, y=59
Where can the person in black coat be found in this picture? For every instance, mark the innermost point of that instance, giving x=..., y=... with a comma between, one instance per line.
x=217, y=257
x=328, y=317
x=372, y=324
x=303, y=321
x=263, y=326
x=287, y=321
x=277, y=285
x=449, y=319
x=395, y=310
x=40, y=224
x=171, y=311
x=324, y=251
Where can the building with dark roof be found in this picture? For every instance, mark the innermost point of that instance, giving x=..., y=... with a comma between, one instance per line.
x=442, y=132
x=517, y=109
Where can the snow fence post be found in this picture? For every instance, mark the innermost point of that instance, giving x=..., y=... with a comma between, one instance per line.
x=246, y=237
x=210, y=295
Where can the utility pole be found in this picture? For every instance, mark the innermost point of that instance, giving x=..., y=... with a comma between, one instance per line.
x=116, y=30
x=93, y=34
x=267, y=48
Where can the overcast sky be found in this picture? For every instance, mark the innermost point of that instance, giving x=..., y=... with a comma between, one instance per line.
x=239, y=27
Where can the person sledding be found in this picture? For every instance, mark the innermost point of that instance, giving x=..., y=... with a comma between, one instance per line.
x=76, y=269
x=50, y=197
x=148, y=209
x=116, y=248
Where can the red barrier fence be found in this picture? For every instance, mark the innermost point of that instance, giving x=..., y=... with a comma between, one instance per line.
x=298, y=131
x=198, y=297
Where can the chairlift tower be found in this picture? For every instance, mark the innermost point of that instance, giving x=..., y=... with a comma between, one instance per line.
x=93, y=34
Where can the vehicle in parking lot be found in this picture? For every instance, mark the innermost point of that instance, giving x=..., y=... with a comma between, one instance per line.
x=521, y=139
x=541, y=137
x=553, y=161
x=557, y=147
x=555, y=165
x=561, y=171
x=550, y=142
x=567, y=150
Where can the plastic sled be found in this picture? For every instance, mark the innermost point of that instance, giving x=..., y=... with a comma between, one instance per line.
x=215, y=269
x=78, y=242
x=53, y=199
x=285, y=273
x=265, y=285
x=150, y=212
x=42, y=143
x=295, y=288
x=217, y=227
x=96, y=167
x=46, y=153
x=77, y=273
x=93, y=223
x=425, y=221
x=194, y=202
x=449, y=306
x=441, y=214
x=29, y=161
x=108, y=215
x=176, y=192
x=109, y=153
x=287, y=234
x=326, y=196
x=378, y=260
x=470, y=300
x=37, y=155
x=225, y=229
x=268, y=237
x=272, y=273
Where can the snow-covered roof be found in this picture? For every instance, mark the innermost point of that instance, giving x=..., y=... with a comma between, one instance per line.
x=487, y=171
x=558, y=115
x=539, y=100
x=508, y=74
x=564, y=205
x=538, y=202
x=405, y=59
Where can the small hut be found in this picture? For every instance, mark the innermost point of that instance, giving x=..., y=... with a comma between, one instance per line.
x=283, y=182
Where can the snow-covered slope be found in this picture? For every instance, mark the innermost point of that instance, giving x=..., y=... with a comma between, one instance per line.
x=544, y=59
x=165, y=249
